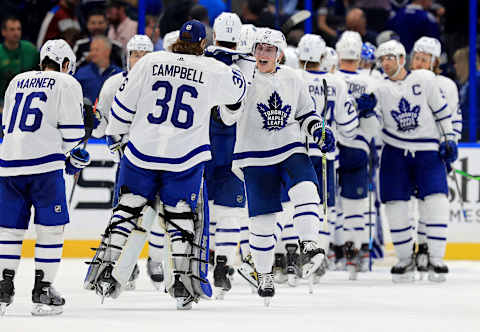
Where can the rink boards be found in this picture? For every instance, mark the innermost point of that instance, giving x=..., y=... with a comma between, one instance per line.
x=91, y=207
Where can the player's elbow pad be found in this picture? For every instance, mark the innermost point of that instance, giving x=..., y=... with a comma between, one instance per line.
x=230, y=113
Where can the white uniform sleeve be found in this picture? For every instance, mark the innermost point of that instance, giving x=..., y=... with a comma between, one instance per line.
x=6, y=105
x=124, y=105
x=346, y=117
x=451, y=93
x=233, y=89
x=70, y=118
x=105, y=99
x=306, y=113
x=438, y=104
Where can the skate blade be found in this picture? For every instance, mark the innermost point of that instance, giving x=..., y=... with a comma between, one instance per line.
x=181, y=305
x=247, y=276
x=352, y=272
x=309, y=268
x=3, y=309
x=292, y=280
x=219, y=293
x=130, y=286
x=437, y=277
x=406, y=278
x=46, y=310
x=310, y=284
x=157, y=285
x=421, y=275
x=267, y=301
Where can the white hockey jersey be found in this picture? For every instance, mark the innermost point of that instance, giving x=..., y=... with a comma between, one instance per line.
x=358, y=84
x=42, y=120
x=340, y=112
x=450, y=91
x=164, y=104
x=410, y=111
x=274, y=113
x=105, y=100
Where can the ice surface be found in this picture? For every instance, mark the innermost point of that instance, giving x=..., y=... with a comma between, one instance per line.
x=372, y=303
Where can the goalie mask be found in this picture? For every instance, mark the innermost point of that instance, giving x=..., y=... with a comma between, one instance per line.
x=138, y=43
x=58, y=50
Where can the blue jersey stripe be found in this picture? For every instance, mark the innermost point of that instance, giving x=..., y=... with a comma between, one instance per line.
x=38, y=245
x=262, y=248
x=119, y=118
x=348, y=122
x=33, y=162
x=11, y=242
x=9, y=256
x=267, y=154
x=155, y=245
x=125, y=108
x=441, y=109
x=157, y=234
x=160, y=160
x=80, y=126
x=47, y=260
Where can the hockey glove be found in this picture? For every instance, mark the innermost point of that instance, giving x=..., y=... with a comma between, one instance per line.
x=448, y=151
x=78, y=159
x=116, y=146
x=366, y=104
x=328, y=145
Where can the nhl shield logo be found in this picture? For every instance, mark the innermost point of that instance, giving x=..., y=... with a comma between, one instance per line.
x=275, y=115
x=406, y=117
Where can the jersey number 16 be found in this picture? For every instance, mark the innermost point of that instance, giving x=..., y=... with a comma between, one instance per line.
x=26, y=111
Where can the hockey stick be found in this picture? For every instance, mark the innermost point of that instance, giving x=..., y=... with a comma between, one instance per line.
x=295, y=19
x=370, y=207
x=324, y=159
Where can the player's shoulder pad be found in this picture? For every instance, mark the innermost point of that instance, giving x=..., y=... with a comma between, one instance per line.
x=446, y=81
x=423, y=74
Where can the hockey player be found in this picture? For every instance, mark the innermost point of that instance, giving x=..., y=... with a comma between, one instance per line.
x=330, y=61
x=42, y=122
x=426, y=55
x=338, y=114
x=226, y=192
x=270, y=151
x=164, y=106
x=354, y=159
x=367, y=61
x=418, y=140
x=137, y=47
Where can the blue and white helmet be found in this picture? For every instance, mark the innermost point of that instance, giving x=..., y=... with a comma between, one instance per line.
x=247, y=38
x=311, y=48
x=330, y=60
x=58, y=50
x=227, y=27
x=138, y=43
x=368, y=52
x=270, y=37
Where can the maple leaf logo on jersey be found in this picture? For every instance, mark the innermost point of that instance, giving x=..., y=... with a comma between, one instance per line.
x=275, y=115
x=406, y=117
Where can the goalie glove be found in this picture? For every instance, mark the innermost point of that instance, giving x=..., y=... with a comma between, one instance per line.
x=78, y=159
x=328, y=144
x=116, y=146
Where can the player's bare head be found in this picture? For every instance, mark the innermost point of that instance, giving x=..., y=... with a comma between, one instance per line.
x=391, y=56
x=426, y=54
x=191, y=39
x=267, y=49
x=57, y=55
x=137, y=47
x=226, y=30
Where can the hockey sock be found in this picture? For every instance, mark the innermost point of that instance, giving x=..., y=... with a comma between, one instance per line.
x=262, y=243
x=227, y=232
x=435, y=212
x=10, y=247
x=244, y=234
x=306, y=219
x=48, y=250
x=156, y=242
x=400, y=229
x=353, y=214
x=285, y=224
x=339, y=233
x=422, y=225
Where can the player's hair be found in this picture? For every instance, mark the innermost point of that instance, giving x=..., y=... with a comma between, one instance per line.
x=310, y=65
x=9, y=18
x=186, y=47
x=50, y=64
x=96, y=12
x=226, y=44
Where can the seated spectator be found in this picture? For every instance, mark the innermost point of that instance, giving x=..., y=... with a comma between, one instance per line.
x=98, y=70
x=122, y=27
x=414, y=21
x=16, y=55
x=59, y=19
x=462, y=68
x=356, y=21
x=96, y=26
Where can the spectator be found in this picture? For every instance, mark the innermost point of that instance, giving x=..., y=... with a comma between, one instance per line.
x=176, y=13
x=413, y=22
x=214, y=8
x=59, y=19
x=153, y=31
x=356, y=21
x=461, y=65
x=122, y=27
x=200, y=13
x=96, y=26
x=257, y=12
x=95, y=73
x=331, y=18
x=377, y=12
x=16, y=55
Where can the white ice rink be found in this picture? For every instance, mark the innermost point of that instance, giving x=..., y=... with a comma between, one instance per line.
x=372, y=303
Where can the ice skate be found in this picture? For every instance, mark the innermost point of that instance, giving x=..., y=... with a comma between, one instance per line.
x=266, y=287
x=293, y=264
x=182, y=297
x=437, y=270
x=340, y=260
x=421, y=260
x=320, y=272
x=46, y=300
x=247, y=271
x=131, y=283
x=313, y=255
x=7, y=290
x=221, y=277
x=279, y=269
x=106, y=285
x=352, y=260
x=364, y=258
x=331, y=257
x=155, y=272
x=403, y=271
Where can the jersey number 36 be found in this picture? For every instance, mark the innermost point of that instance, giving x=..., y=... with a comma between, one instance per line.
x=182, y=114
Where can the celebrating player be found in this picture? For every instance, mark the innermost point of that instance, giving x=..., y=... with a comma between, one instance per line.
x=42, y=122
